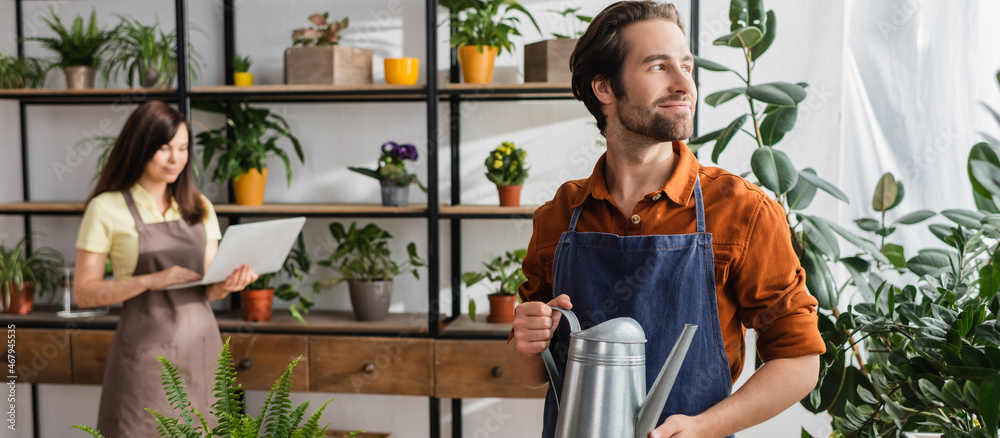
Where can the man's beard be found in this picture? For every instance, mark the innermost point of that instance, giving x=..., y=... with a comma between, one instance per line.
x=651, y=124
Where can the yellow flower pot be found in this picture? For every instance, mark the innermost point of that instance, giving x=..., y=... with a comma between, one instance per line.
x=402, y=71
x=243, y=79
x=477, y=68
x=249, y=187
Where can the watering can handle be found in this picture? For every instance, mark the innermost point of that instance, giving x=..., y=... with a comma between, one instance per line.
x=555, y=379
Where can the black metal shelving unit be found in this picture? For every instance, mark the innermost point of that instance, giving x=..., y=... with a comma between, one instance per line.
x=431, y=94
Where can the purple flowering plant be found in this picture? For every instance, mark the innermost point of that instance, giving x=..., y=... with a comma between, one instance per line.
x=392, y=165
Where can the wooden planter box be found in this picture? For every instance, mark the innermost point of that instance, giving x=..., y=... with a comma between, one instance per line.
x=548, y=61
x=328, y=65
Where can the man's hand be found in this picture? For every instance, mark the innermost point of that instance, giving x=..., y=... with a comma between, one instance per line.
x=534, y=324
x=679, y=426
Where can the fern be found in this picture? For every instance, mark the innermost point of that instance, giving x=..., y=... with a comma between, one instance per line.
x=92, y=432
x=177, y=396
x=289, y=422
x=227, y=403
x=281, y=405
x=311, y=428
x=172, y=427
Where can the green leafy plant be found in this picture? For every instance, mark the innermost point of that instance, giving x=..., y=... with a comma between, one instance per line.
x=576, y=24
x=485, y=22
x=242, y=63
x=277, y=419
x=41, y=268
x=504, y=270
x=145, y=54
x=923, y=357
x=21, y=72
x=363, y=254
x=505, y=165
x=256, y=132
x=322, y=33
x=392, y=165
x=297, y=264
x=80, y=44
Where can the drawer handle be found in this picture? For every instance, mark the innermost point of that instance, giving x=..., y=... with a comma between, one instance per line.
x=368, y=368
x=245, y=364
x=497, y=372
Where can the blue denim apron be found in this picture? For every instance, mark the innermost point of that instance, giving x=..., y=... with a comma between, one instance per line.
x=663, y=282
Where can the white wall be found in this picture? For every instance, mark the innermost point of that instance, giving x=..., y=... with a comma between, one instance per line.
x=559, y=136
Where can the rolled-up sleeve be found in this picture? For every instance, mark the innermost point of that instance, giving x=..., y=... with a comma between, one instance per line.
x=769, y=284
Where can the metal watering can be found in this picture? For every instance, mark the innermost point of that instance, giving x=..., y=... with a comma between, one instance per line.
x=603, y=393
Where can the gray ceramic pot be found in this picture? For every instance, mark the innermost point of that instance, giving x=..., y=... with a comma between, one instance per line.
x=79, y=77
x=394, y=195
x=370, y=299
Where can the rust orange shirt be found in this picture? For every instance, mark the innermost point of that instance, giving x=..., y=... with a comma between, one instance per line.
x=759, y=281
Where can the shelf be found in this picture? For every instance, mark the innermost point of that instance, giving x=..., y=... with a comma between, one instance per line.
x=463, y=327
x=314, y=210
x=487, y=212
x=314, y=93
x=88, y=96
x=319, y=322
x=499, y=92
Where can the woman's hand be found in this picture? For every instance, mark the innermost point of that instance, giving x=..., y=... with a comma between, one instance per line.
x=170, y=276
x=237, y=281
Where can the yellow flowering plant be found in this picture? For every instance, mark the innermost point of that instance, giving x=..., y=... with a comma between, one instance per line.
x=505, y=165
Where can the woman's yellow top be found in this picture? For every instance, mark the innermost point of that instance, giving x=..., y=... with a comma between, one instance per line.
x=108, y=226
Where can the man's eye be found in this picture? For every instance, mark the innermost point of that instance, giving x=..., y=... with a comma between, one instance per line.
x=686, y=68
x=659, y=67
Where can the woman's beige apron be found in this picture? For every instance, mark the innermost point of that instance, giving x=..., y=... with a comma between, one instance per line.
x=176, y=324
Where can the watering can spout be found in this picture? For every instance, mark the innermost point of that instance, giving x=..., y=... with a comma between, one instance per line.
x=650, y=411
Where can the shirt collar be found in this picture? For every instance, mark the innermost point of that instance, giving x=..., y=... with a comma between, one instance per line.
x=143, y=200
x=678, y=188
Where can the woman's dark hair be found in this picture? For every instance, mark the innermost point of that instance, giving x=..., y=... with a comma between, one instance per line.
x=602, y=50
x=150, y=127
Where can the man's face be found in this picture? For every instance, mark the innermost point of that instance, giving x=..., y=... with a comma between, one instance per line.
x=660, y=95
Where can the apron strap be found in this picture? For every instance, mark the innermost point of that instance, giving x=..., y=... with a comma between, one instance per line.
x=576, y=216
x=699, y=205
x=132, y=209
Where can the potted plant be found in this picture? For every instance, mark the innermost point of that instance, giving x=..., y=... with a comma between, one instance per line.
x=317, y=58
x=243, y=157
x=21, y=72
x=505, y=272
x=548, y=61
x=23, y=276
x=392, y=174
x=242, y=77
x=79, y=48
x=505, y=168
x=364, y=261
x=145, y=55
x=258, y=297
x=482, y=31
x=277, y=418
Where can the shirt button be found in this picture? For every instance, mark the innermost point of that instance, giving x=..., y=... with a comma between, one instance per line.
x=656, y=197
x=635, y=219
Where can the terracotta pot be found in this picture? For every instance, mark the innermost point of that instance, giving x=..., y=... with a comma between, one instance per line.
x=477, y=68
x=249, y=187
x=501, y=308
x=19, y=301
x=510, y=196
x=394, y=195
x=370, y=299
x=243, y=79
x=79, y=77
x=257, y=304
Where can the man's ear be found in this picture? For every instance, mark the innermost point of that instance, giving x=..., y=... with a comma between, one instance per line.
x=602, y=89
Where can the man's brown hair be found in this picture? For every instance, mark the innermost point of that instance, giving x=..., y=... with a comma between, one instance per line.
x=602, y=50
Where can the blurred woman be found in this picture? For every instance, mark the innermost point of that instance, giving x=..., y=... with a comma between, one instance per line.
x=146, y=214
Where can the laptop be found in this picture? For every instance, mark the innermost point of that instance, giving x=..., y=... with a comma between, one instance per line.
x=263, y=246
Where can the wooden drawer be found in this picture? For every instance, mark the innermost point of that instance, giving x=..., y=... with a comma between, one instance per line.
x=90, y=354
x=40, y=356
x=372, y=365
x=467, y=369
x=261, y=359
